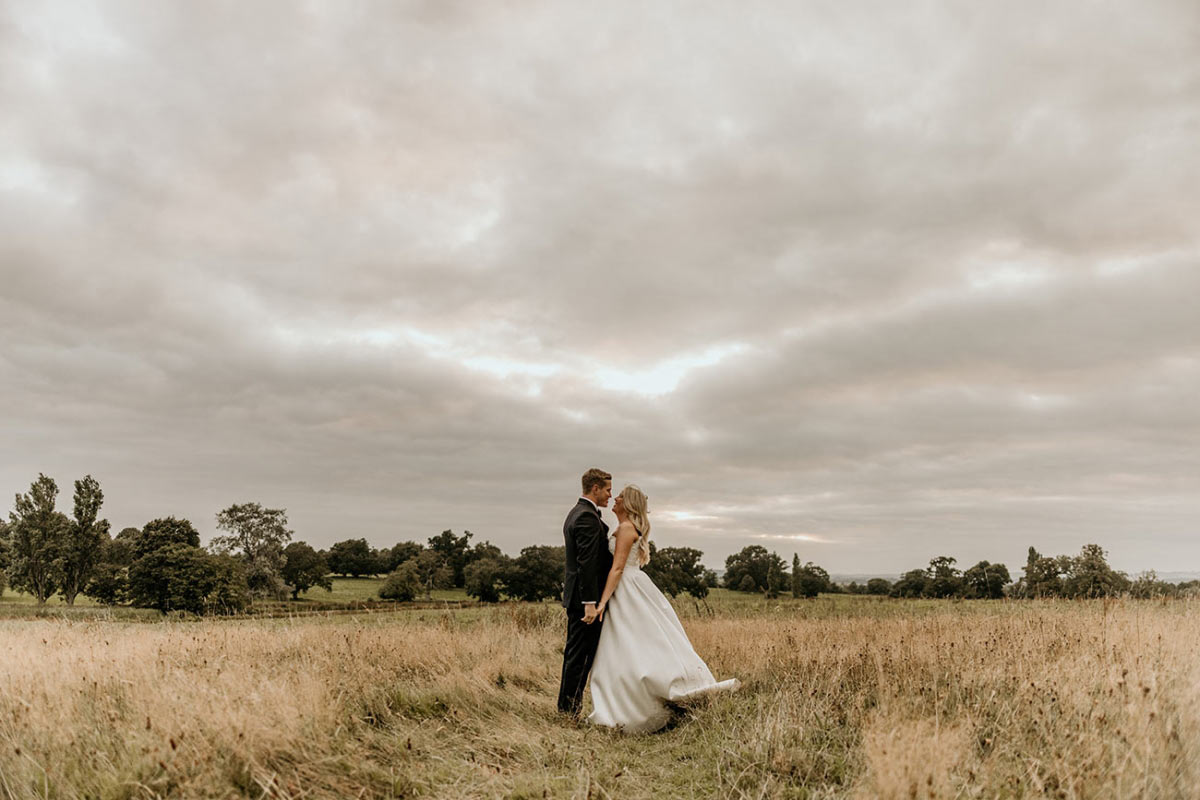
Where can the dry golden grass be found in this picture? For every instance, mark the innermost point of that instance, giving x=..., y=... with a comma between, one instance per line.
x=848, y=699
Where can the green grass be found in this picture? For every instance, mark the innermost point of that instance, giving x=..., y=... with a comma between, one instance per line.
x=349, y=590
x=19, y=605
x=719, y=603
x=15, y=598
x=345, y=590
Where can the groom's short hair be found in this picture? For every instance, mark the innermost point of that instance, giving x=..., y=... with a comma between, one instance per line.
x=593, y=478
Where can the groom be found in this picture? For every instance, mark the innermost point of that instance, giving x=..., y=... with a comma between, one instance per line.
x=588, y=562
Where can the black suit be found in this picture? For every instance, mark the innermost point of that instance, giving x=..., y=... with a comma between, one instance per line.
x=588, y=563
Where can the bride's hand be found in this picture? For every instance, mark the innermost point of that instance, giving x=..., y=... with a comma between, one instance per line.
x=600, y=611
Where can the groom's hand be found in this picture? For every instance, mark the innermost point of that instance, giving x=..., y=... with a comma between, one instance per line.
x=589, y=613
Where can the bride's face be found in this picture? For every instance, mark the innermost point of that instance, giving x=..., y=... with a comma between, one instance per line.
x=618, y=505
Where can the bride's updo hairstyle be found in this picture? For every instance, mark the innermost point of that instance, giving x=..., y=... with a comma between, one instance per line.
x=638, y=509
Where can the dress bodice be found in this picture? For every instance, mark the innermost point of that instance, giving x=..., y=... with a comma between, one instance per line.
x=632, y=561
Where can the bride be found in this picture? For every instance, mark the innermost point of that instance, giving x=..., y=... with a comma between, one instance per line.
x=644, y=658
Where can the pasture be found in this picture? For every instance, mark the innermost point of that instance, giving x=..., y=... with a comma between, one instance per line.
x=844, y=697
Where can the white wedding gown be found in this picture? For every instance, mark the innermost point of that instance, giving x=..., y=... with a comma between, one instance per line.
x=644, y=657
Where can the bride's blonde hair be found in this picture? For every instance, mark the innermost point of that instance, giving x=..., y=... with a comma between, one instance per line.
x=638, y=509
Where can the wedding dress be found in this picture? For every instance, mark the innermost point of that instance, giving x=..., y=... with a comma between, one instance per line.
x=644, y=657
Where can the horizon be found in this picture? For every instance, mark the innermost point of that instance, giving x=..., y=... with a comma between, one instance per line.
x=837, y=575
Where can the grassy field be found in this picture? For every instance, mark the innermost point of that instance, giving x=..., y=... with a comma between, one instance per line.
x=345, y=590
x=845, y=697
x=721, y=602
x=348, y=590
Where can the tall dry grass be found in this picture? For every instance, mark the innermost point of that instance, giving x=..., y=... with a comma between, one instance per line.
x=1056, y=699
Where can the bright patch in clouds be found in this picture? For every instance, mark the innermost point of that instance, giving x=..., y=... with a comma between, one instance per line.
x=464, y=350
x=665, y=376
x=1006, y=266
x=790, y=537
x=685, y=516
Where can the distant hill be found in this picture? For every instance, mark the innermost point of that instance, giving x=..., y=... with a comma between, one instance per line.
x=1176, y=577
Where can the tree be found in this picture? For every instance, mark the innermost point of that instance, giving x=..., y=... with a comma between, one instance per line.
x=675, y=570
x=433, y=572
x=403, y=583
x=985, y=580
x=813, y=580
x=3, y=555
x=454, y=552
x=944, y=579
x=1091, y=576
x=537, y=573
x=484, y=579
x=180, y=577
x=775, y=581
x=796, y=592
x=120, y=550
x=710, y=579
x=1188, y=588
x=229, y=592
x=159, y=533
x=746, y=584
x=1149, y=586
x=1043, y=576
x=753, y=561
x=352, y=557
x=399, y=553
x=304, y=568
x=911, y=584
x=258, y=535
x=879, y=586
x=84, y=538
x=109, y=584
x=483, y=550
x=36, y=540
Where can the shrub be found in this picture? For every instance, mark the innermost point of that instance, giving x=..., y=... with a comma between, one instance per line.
x=403, y=584
x=109, y=584
x=536, y=574
x=180, y=577
x=304, y=568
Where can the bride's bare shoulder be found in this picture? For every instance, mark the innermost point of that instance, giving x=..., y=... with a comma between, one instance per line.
x=627, y=527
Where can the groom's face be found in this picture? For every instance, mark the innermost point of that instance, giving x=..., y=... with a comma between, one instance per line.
x=603, y=493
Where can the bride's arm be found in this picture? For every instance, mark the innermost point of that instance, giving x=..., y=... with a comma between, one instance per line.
x=626, y=535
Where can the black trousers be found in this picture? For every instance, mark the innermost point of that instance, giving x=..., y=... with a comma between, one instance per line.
x=578, y=655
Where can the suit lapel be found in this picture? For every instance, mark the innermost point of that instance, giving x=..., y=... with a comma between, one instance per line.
x=589, y=507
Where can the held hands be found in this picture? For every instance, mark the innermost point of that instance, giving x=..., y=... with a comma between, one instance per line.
x=589, y=613
x=600, y=611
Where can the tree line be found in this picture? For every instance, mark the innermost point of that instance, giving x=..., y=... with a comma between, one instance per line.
x=1088, y=574
x=489, y=575
x=161, y=565
x=44, y=551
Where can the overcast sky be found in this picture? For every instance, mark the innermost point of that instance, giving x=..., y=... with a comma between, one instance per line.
x=868, y=282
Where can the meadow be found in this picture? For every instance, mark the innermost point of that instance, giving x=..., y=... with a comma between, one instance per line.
x=844, y=697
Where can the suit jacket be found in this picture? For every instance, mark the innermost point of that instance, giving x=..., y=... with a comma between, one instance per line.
x=588, y=559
